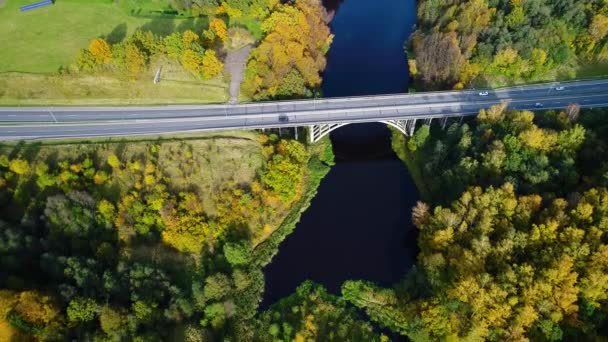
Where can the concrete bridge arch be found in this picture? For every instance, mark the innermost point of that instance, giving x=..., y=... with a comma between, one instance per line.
x=405, y=126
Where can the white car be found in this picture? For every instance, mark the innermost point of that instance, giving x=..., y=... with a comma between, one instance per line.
x=538, y=105
x=483, y=93
x=560, y=88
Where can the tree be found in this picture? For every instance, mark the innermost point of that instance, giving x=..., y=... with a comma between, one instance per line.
x=101, y=51
x=215, y=315
x=35, y=313
x=419, y=138
x=19, y=166
x=192, y=61
x=185, y=228
x=82, y=310
x=599, y=27
x=189, y=38
x=217, y=30
x=174, y=45
x=237, y=253
x=291, y=54
x=312, y=313
x=211, y=66
x=438, y=57
x=135, y=60
x=113, y=161
x=112, y=321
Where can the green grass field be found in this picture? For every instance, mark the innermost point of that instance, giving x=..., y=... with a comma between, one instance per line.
x=36, y=44
x=176, y=86
x=45, y=39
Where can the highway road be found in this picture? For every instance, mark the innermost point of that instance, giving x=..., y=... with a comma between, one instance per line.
x=24, y=123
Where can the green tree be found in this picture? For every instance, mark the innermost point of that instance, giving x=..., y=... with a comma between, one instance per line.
x=82, y=310
x=19, y=166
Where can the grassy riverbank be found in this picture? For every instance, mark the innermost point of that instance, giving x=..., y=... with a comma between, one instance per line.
x=399, y=145
x=319, y=165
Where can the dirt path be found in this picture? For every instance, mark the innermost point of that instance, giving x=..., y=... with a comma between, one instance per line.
x=235, y=65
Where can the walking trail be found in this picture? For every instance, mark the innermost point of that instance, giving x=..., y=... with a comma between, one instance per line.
x=235, y=65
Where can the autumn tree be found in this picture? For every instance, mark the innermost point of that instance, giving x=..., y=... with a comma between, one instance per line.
x=289, y=60
x=211, y=65
x=217, y=30
x=500, y=266
x=100, y=50
x=192, y=61
x=599, y=27
x=185, y=226
x=135, y=60
x=19, y=166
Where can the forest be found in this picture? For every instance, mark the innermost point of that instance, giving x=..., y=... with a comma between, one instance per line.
x=151, y=240
x=511, y=236
x=460, y=44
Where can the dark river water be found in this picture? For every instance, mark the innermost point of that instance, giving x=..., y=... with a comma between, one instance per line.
x=358, y=226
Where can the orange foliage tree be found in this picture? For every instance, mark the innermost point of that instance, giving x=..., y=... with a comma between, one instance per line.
x=100, y=50
x=289, y=60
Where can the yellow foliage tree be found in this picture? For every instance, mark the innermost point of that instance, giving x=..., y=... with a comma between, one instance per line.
x=19, y=166
x=101, y=51
x=135, y=60
x=185, y=227
x=188, y=38
x=192, y=61
x=599, y=27
x=113, y=161
x=211, y=65
x=218, y=28
x=35, y=309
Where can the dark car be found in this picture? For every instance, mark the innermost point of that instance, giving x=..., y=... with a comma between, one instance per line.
x=283, y=118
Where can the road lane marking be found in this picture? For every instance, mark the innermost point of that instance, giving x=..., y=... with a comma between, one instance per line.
x=54, y=118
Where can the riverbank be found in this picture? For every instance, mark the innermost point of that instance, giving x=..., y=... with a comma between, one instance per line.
x=409, y=158
x=319, y=166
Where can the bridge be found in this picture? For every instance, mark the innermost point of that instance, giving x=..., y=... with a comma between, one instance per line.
x=322, y=116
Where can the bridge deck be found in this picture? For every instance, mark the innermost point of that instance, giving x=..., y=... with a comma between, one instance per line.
x=67, y=122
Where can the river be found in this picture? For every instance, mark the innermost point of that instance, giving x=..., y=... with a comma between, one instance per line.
x=358, y=226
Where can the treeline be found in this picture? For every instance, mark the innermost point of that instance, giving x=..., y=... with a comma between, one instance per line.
x=235, y=9
x=519, y=249
x=289, y=60
x=502, y=145
x=461, y=43
x=131, y=57
x=113, y=244
x=312, y=314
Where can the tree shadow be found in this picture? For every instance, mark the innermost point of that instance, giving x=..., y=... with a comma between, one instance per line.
x=118, y=34
x=159, y=26
x=197, y=25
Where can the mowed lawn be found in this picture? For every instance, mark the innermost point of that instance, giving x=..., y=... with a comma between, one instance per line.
x=36, y=44
x=44, y=39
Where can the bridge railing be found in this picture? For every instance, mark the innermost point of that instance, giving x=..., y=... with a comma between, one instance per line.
x=434, y=92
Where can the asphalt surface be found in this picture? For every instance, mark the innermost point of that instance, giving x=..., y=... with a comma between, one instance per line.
x=25, y=123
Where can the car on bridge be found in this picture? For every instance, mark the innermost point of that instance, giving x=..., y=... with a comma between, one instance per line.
x=560, y=88
x=283, y=118
x=538, y=105
x=483, y=93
